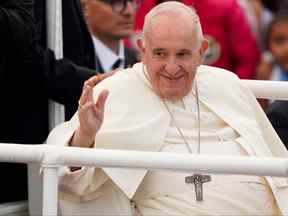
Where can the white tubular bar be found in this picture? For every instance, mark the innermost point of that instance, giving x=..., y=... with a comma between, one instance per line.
x=73, y=156
x=175, y=162
x=54, y=27
x=50, y=190
x=18, y=153
x=277, y=90
x=55, y=43
x=52, y=156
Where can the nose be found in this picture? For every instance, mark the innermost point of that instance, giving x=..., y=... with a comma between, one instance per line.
x=172, y=67
x=130, y=8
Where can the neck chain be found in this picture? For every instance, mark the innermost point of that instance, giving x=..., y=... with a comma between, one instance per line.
x=198, y=122
x=197, y=178
x=174, y=120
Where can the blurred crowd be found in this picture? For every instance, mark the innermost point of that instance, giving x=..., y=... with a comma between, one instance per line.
x=247, y=37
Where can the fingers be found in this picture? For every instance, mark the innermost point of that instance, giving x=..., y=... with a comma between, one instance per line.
x=85, y=96
x=87, y=91
x=100, y=104
x=110, y=73
x=92, y=81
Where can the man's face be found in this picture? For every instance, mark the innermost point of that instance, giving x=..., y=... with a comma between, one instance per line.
x=106, y=23
x=171, y=54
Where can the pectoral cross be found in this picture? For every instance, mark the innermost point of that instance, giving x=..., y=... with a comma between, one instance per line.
x=198, y=180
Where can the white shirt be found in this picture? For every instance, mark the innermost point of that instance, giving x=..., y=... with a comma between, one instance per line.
x=107, y=56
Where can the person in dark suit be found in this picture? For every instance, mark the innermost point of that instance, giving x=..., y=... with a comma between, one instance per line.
x=108, y=34
x=78, y=63
x=24, y=107
x=30, y=76
x=277, y=113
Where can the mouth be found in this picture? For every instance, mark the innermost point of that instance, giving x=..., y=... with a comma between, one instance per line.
x=172, y=78
x=126, y=23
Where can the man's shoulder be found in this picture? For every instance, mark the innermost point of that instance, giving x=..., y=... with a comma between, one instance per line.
x=210, y=72
x=218, y=78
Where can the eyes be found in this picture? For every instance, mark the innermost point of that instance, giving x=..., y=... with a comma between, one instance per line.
x=163, y=54
x=280, y=40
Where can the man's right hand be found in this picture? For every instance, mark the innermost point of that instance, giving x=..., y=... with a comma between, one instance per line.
x=90, y=113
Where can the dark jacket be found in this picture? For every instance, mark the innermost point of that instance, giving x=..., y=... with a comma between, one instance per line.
x=63, y=75
x=277, y=113
x=130, y=59
x=22, y=109
x=30, y=76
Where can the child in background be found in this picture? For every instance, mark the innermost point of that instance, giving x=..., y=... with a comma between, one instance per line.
x=274, y=63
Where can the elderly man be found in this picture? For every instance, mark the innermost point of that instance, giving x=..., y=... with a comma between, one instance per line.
x=110, y=22
x=162, y=104
x=232, y=44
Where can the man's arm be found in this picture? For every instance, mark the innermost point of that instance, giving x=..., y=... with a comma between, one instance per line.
x=63, y=78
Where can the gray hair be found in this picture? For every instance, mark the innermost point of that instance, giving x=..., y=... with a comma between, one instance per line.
x=175, y=8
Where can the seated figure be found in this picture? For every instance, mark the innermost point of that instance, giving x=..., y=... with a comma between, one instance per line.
x=170, y=102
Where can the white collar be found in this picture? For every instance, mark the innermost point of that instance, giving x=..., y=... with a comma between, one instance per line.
x=106, y=56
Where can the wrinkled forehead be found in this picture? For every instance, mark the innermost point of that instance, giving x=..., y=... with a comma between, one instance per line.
x=166, y=28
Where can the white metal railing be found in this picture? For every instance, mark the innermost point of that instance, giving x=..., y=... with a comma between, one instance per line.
x=276, y=90
x=55, y=43
x=52, y=157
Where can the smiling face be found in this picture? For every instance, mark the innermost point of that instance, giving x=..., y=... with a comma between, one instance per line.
x=171, y=52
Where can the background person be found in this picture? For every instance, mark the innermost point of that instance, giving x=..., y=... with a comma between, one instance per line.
x=274, y=64
x=30, y=76
x=16, y=30
x=108, y=34
x=66, y=75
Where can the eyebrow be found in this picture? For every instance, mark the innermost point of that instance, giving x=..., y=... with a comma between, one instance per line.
x=158, y=49
x=182, y=50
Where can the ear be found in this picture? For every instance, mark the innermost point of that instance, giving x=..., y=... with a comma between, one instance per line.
x=140, y=44
x=204, y=47
x=141, y=48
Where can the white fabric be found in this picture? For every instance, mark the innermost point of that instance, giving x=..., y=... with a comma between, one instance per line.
x=106, y=56
x=218, y=200
x=251, y=196
x=136, y=119
x=186, y=120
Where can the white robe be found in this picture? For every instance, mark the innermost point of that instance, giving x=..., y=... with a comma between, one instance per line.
x=225, y=194
x=136, y=119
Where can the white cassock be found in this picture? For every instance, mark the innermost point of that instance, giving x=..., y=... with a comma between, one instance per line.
x=232, y=123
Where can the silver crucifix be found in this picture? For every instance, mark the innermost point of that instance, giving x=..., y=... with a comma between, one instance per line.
x=198, y=180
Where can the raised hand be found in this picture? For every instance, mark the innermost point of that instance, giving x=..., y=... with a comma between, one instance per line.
x=90, y=114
